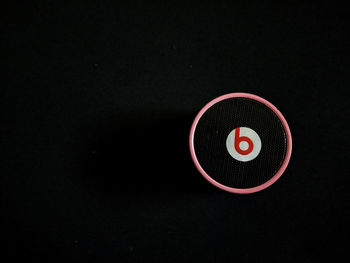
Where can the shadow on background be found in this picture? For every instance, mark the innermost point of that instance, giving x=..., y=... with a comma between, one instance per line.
x=143, y=153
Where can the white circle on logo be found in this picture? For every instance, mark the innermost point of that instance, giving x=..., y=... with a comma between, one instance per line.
x=243, y=144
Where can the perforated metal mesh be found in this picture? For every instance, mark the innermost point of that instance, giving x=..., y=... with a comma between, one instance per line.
x=210, y=142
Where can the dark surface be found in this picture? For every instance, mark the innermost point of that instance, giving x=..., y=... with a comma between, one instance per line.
x=97, y=101
x=210, y=142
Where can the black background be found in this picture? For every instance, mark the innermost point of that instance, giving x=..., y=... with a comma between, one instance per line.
x=96, y=103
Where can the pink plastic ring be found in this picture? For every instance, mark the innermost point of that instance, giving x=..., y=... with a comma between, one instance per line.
x=243, y=190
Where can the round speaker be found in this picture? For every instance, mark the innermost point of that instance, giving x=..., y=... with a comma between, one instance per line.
x=240, y=143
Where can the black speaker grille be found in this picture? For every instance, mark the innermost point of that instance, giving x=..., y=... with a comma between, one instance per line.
x=210, y=142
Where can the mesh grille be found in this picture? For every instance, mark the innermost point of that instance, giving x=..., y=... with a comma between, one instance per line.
x=210, y=142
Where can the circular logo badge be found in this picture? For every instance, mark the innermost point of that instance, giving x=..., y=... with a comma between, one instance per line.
x=243, y=144
x=240, y=143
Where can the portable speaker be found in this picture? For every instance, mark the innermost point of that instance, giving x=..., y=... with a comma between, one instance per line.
x=240, y=143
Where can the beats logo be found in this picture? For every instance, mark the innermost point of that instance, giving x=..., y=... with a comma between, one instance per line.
x=243, y=144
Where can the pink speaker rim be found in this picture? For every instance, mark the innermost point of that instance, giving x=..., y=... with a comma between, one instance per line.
x=241, y=190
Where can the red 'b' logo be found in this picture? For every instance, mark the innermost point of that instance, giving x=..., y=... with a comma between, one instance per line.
x=239, y=139
x=243, y=144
